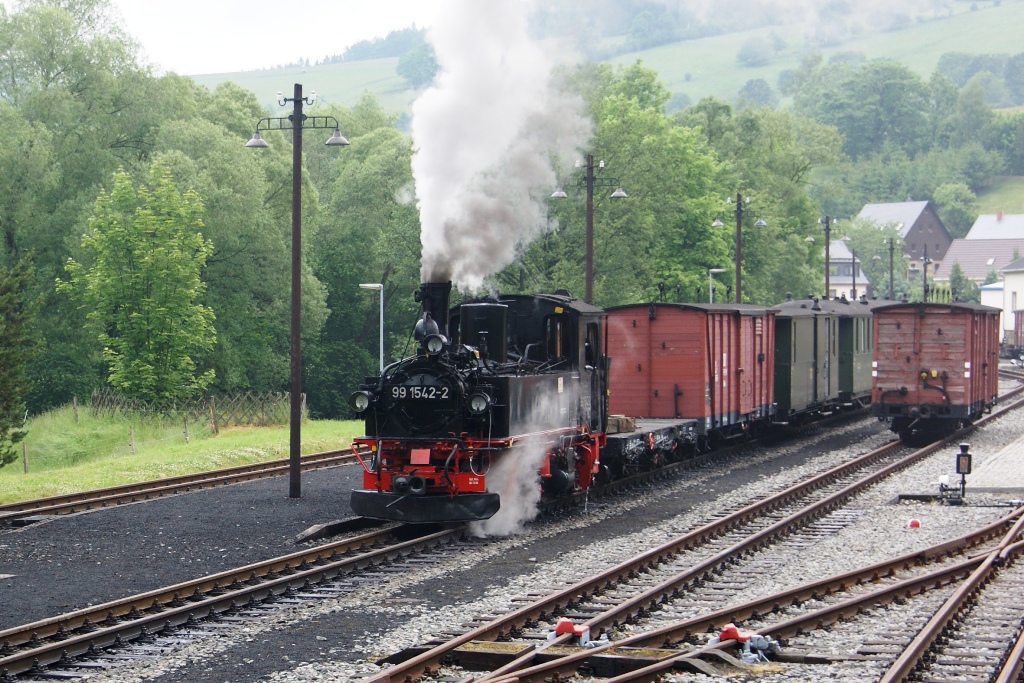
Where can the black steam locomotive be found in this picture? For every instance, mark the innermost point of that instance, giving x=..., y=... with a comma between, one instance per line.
x=498, y=384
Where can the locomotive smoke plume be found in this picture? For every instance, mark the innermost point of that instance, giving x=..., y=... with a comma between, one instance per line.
x=516, y=476
x=484, y=134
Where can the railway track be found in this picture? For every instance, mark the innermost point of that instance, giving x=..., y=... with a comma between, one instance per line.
x=518, y=646
x=77, y=641
x=28, y=511
x=53, y=645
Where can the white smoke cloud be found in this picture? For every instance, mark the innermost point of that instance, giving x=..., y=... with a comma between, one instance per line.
x=515, y=476
x=484, y=135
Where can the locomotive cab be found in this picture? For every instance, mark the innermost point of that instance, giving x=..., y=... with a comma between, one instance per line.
x=510, y=380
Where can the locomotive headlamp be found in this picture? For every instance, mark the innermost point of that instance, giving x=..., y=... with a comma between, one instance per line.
x=479, y=403
x=434, y=344
x=360, y=401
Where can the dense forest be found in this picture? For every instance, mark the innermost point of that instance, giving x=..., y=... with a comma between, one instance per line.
x=127, y=194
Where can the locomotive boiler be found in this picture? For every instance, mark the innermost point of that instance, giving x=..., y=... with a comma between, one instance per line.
x=500, y=387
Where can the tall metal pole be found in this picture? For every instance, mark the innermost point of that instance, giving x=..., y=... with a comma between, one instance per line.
x=827, y=261
x=853, y=274
x=295, y=440
x=382, y=329
x=891, y=247
x=588, y=295
x=296, y=121
x=711, y=289
x=739, y=240
x=924, y=280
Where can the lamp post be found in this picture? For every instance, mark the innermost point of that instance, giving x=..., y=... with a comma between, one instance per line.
x=853, y=274
x=827, y=222
x=590, y=180
x=379, y=286
x=759, y=223
x=891, y=248
x=924, y=281
x=711, y=283
x=295, y=122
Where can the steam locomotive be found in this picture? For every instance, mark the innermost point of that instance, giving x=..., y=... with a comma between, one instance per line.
x=507, y=389
x=504, y=382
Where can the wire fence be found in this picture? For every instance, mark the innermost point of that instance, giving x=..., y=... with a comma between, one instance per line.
x=226, y=410
x=116, y=425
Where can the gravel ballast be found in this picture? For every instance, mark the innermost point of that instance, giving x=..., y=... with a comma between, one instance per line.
x=338, y=639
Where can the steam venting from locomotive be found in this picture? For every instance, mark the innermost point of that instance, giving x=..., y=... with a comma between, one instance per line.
x=485, y=134
x=517, y=480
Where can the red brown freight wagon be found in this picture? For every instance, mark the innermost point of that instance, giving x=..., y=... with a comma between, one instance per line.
x=935, y=366
x=1018, y=333
x=710, y=363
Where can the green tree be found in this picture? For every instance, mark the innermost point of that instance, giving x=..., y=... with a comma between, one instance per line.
x=1013, y=76
x=659, y=233
x=879, y=103
x=957, y=206
x=757, y=93
x=418, y=66
x=143, y=284
x=755, y=51
x=15, y=347
x=963, y=287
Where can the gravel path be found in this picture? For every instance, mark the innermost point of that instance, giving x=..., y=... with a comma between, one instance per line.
x=338, y=640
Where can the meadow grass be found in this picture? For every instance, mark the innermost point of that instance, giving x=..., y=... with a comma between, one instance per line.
x=65, y=456
x=708, y=66
x=1006, y=194
x=698, y=68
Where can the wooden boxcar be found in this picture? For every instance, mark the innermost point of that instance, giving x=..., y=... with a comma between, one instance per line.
x=935, y=367
x=711, y=363
x=1017, y=350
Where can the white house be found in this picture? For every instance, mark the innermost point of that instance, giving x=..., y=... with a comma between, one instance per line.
x=1013, y=293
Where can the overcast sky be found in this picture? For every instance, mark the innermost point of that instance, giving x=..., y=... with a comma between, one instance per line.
x=215, y=36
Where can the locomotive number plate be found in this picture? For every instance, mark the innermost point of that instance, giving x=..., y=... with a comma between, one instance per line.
x=428, y=393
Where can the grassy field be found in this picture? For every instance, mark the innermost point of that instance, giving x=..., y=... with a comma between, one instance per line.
x=713, y=69
x=1007, y=195
x=710, y=62
x=66, y=456
x=334, y=83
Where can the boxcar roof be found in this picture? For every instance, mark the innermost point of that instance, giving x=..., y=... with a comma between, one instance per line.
x=742, y=309
x=955, y=305
x=841, y=307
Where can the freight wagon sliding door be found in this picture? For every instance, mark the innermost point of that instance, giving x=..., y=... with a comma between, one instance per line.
x=757, y=366
x=677, y=377
x=721, y=355
x=629, y=345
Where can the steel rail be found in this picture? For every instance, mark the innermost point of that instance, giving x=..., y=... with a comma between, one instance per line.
x=1013, y=664
x=155, y=488
x=666, y=636
x=45, y=642
x=498, y=629
x=425, y=662
x=913, y=655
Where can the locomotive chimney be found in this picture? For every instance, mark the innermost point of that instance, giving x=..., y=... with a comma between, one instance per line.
x=435, y=297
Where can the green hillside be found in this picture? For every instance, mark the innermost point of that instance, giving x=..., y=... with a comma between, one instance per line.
x=341, y=83
x=713, y=68
x=1006, y=195
x=710, y=63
